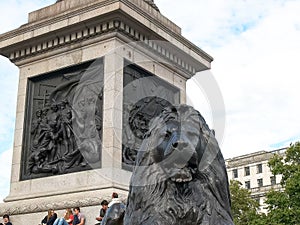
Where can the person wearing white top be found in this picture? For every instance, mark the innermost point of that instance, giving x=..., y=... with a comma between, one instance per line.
x=115, y=199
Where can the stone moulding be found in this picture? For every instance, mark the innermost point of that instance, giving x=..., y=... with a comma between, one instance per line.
x=36, y=206
x=98, y=30
x=43, y=206
x=69, y=26
x=152, y=4
x=74, y=8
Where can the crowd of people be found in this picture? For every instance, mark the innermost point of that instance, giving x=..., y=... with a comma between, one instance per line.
x=68, y=218
x=74, y=219
x=78, y=218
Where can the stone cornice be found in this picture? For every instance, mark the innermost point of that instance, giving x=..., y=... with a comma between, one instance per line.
x=42, y=205
x=157, y=18
x=46, y=35
x=152, y=4
x=170, y=53
x=175, y=35
x=261, y=156
x=36, y=24
x=69, y=8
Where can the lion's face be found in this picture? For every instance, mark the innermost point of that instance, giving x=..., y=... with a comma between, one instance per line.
x=180, y=175
x=176, y=141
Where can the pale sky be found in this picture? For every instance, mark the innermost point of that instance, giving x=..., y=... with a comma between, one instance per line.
x=255, y=72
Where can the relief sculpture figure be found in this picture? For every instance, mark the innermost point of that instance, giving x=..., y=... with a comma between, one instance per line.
x=36, y=129
x=66, y=130
x=66, y=126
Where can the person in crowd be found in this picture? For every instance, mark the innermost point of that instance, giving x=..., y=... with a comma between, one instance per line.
x=6, y=220
x=104, y=207
x=50, y=218
x=115, y=199
x=115, y=212
x=67, y=219
x=79, y=218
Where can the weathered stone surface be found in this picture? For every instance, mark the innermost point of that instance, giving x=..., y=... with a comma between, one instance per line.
x=69, y=33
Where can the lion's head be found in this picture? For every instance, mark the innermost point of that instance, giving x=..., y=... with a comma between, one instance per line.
x=180, y=175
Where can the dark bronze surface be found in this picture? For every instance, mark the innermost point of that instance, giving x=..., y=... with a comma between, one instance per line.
x=63, y=122
x=144, y=97
x=180, y=175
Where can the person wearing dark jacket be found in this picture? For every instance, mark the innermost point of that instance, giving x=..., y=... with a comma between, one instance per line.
x=6, y=220
x=50, y=218
x=104, y=207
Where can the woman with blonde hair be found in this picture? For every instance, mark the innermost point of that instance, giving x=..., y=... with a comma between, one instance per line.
x=50, y=218
x=67, y=219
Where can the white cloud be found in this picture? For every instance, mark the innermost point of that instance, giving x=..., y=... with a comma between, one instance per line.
x=5, y=168
x=212, y=23
x=258, y=75
x=256, y=49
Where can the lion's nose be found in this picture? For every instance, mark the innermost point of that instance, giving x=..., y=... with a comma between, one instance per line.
x=179, y=144
x=175, y=144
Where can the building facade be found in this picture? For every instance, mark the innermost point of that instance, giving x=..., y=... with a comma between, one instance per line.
x=253, y=172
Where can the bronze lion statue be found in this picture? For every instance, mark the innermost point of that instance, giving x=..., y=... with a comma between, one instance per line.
x=180, y=175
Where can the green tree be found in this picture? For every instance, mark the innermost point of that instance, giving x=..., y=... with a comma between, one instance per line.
x=243, y=207
x=284, y=205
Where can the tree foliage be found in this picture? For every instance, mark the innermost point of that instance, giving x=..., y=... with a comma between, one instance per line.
x=243, y=207
x=284, y=205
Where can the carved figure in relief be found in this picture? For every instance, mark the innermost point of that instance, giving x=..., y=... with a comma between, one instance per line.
x=137, y=124
x=36, y=129
x=55, y=146
x=37, y=163
x=53, y=140
x=87, y=123
x=64, y=131
x=66, y=126
x=54, y=127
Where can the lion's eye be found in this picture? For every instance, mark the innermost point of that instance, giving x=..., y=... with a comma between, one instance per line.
x=168, y=134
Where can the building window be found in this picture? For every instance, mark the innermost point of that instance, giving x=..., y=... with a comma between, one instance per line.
x=235, y=173
x=260, y=182
x=259, y=168
x=273, y=180
x=257, y=200
x=247, y=171
x=247, y=184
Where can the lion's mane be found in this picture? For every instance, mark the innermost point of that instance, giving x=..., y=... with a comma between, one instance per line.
x=194, y=194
